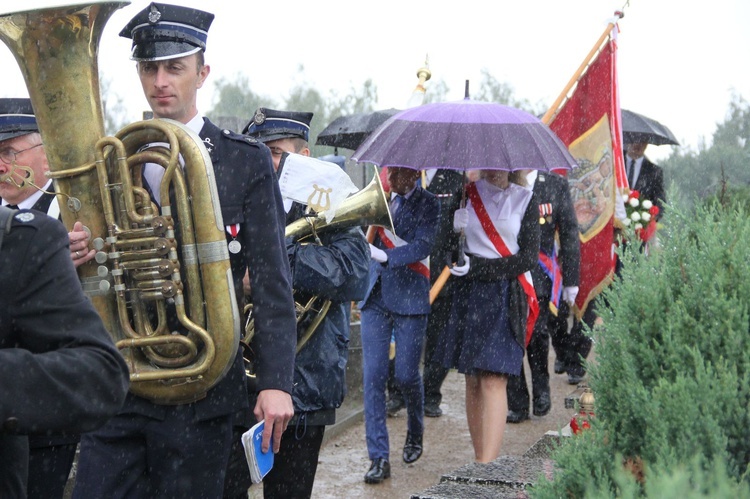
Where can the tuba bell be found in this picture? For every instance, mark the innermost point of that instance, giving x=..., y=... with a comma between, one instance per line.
x=141, y=266
x=369, y=206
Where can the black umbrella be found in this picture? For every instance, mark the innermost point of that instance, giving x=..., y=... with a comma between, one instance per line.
x=350, y=131
x=638, y=129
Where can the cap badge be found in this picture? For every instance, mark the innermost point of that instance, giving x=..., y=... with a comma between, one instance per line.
x=259, y=118
x=154, y=15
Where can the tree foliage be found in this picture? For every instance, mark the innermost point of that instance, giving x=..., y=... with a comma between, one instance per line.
x=489, y=89
x=724, y=166
x=235, y=98
x=672, y=372
x=115, y=115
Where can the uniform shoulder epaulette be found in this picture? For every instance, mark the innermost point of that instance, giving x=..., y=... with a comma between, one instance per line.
x=28, y=218
x=24, y=218
x=240, y=138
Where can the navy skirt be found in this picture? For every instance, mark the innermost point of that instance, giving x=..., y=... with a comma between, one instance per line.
x=478, y=336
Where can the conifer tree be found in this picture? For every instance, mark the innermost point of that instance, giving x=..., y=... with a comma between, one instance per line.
x=672, y=372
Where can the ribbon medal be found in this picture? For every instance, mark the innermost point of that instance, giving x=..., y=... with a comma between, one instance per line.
x=234, y=245
x=545, y=213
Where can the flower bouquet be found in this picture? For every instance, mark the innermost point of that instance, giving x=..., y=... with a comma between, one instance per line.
x=641, y=215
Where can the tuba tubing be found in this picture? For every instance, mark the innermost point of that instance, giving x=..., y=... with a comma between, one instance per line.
x=139, y=265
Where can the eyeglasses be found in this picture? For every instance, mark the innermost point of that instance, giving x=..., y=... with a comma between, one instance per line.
x=8, y=156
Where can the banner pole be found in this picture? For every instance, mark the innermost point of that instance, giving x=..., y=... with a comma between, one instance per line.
x=577, y=75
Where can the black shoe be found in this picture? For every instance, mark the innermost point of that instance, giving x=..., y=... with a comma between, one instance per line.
x=576, y=379
x=517, y=416
x=379, y=470
x=433, y=410
x=412, y=448
x=559, y=367
x=542, y=404
x=394, y=405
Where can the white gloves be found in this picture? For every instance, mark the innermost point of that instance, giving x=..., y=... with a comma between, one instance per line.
x=569, y=294
x=460, y=271
x=460, y=219
x=378, y=254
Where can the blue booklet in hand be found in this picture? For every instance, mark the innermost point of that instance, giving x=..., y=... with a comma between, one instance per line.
x=260, y=463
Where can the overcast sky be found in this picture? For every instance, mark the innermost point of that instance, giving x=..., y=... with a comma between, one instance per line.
x=678, y=61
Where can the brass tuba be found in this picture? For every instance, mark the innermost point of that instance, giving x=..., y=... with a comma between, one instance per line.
x=368, y=206
x=141, y=267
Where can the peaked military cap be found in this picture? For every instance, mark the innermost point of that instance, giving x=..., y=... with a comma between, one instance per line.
x=16, y=118
x=270, y=124
x=162, y=31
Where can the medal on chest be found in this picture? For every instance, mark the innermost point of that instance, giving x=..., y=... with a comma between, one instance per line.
x=545, y=213
x=234, y=245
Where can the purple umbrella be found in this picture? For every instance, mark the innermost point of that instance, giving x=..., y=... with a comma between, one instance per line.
x=465, y=135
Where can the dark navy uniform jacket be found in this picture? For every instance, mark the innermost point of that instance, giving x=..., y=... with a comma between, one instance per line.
x=556, y=207
x=448, y=186
x=249, y=196
x=59, y=369
x=406, y=291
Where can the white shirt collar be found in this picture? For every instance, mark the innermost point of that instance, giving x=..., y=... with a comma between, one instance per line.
x=407, y=195
x=30, y=201
x=531, y=178
x=430, y=174
x=196, y=124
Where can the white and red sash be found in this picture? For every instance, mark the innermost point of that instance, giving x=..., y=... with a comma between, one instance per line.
x=391, y=241
x=502, y=248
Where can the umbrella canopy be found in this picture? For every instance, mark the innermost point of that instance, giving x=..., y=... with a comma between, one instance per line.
x=638, y=129
x=465, y=135
x=350, y=131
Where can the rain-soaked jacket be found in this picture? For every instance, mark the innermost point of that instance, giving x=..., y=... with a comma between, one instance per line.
x=59, y=369
x=337, y=270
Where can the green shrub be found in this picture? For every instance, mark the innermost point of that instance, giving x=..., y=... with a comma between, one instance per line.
x=671, y=377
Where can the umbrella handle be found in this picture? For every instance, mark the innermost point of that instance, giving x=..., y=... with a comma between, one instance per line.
x=439, y=283
x=461, y=260
x=446, y=273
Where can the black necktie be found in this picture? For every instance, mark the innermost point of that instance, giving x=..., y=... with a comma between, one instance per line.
x=631, y=173
x=12, y=206
x=396, y=204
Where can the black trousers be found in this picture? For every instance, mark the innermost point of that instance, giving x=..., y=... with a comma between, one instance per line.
x=572, y=347
x=294, y=467
x=434, y=373
x=136, y=456
x=49, y=468
x=537, y=353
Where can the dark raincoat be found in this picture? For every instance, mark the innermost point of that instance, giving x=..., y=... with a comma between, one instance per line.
x=337, y=270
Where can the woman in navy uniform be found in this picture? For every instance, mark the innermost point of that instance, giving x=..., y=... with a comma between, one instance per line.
x=151, y=450
x=59, y=369
x=488, y=328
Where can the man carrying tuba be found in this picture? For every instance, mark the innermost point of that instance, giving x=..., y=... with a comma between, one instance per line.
x=335, y=269
x=181, y=450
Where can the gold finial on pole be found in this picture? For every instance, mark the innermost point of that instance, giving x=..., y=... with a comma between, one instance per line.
x=424, y=73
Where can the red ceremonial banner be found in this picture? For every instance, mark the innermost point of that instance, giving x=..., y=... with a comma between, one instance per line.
x=589, y=123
